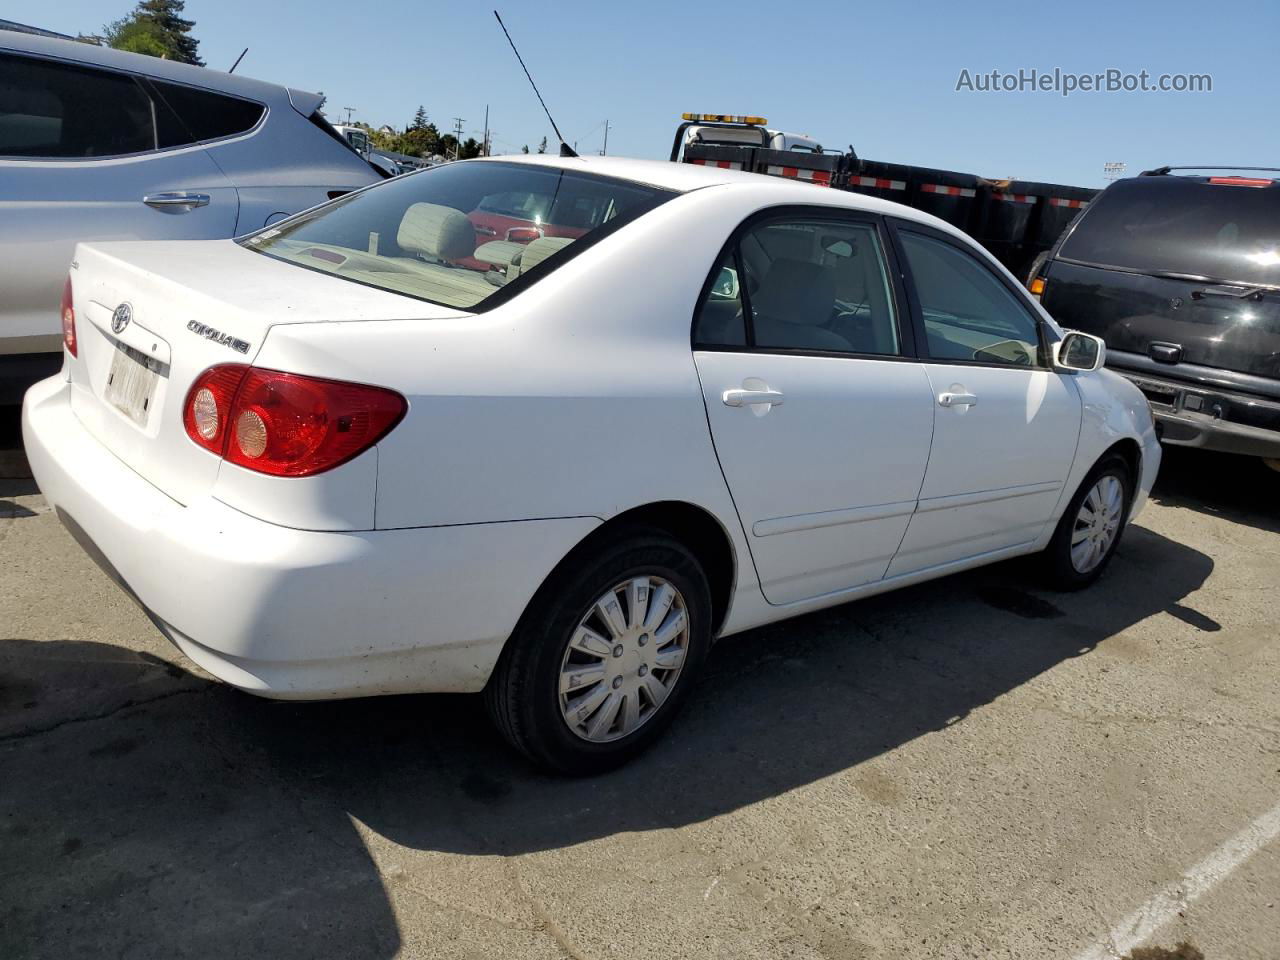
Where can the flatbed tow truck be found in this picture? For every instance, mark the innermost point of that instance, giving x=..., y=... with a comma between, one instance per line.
x=1016, y=220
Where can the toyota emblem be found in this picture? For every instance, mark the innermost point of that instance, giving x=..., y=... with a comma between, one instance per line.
x=120, y=318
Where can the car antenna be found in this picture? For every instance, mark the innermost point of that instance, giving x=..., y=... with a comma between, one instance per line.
x=238, y=59
x=565, y=149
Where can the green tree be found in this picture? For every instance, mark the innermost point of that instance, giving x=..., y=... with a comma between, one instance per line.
x=525, y=148
x=470, y=148
x=421, y=141
x=156, y=28
x=542, y=147
x=420, y=121
x=134, y=36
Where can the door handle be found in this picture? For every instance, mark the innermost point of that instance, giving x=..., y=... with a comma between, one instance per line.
x=486, y=231
x=950, y=399
x=170, y=200
x=745, y=398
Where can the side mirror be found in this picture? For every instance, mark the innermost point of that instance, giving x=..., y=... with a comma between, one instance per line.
x=726, y=285
x=1080, y=352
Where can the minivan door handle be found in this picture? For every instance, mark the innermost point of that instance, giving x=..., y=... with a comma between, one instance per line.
x=950, y=399
x=177, y=202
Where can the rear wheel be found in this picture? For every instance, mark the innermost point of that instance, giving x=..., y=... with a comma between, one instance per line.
x=1090, y=529
x=605, y=655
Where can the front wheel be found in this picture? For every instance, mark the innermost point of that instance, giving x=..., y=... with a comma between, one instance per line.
x=1090, y=529
x=605, y=655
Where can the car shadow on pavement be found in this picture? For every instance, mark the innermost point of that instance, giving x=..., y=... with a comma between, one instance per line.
x=1240, y=489
x=146, y=811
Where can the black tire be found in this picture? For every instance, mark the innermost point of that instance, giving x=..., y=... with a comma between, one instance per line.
x=523, y=695
x=1059, y=571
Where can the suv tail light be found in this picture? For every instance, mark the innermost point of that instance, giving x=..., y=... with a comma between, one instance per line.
x=285, y=424
x=68, y=320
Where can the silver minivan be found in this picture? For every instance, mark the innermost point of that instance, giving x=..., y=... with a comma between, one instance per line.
x=96, y=144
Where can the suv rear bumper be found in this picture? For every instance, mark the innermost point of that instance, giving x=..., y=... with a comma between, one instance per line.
x=1191, y=414
x=294, y=614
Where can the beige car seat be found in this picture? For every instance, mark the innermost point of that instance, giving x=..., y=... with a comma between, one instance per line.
x=437, y=232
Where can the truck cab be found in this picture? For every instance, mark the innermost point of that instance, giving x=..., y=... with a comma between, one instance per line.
x=715, y=129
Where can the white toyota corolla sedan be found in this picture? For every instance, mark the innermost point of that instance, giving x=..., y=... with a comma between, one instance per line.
x=548, y=427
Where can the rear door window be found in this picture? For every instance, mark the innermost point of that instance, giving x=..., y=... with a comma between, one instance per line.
x=189, y=115
x=65, y=111
x=802, y=284
x=1177, y=225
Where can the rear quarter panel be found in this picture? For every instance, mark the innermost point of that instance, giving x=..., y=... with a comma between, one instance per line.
x=287, y=165
x=577, y=398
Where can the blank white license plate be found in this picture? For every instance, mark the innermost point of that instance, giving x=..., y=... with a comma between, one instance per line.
x=131, y=384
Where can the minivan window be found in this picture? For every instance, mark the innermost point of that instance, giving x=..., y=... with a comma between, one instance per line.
x=1177, y=225
x=59, y=110
x=197, y=115
x=433, y=236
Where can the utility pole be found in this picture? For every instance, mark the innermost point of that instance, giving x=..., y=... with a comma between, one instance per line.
x=605, y=150
x=484, y=151
x=350, y=110
x=457, y=137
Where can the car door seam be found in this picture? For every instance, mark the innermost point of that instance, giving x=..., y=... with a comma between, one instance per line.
x=711, y=436
x=933, y=431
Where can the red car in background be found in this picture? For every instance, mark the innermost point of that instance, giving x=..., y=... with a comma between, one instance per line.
x=519, y=217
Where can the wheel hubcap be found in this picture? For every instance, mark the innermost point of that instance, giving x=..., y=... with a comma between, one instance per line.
x=1097, y=524
x=623, y=659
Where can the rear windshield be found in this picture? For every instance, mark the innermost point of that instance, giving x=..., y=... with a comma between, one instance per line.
x=460, y=233
x=1181, y=226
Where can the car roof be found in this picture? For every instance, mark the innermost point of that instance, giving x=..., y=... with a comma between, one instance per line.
x=684, y=177
x=93, y=55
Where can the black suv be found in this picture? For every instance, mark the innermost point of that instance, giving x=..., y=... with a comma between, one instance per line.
x=1180, y=274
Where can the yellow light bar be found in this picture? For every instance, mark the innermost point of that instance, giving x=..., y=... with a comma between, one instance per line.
x=722, y=118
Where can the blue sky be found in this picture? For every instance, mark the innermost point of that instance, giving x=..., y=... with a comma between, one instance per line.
x=879, y=76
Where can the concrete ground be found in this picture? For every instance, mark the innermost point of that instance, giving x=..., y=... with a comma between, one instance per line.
x=969, y=768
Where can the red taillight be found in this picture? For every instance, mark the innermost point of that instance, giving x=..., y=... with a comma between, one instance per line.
x=207, y=412
x=285, y=424
x=1241, y=181
x=68, y=320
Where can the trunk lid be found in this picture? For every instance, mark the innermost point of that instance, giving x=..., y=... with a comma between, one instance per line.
x=190, y=305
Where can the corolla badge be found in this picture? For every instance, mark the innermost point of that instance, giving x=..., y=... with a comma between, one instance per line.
x=217, y=336
x=120, y=318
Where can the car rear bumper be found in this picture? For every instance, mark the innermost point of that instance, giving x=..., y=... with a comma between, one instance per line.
x=295, y=614
x=1206, y=416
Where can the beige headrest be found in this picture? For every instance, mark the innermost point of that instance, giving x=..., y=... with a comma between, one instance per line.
x=537, y=251
x=439, y=232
